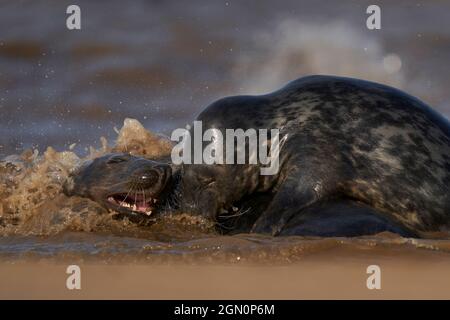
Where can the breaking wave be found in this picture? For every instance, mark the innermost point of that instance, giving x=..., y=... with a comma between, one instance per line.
x=295, y=48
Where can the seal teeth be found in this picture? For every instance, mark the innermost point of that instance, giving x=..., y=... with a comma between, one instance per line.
x=148, y=212
x=134, y=207
x=155, y=200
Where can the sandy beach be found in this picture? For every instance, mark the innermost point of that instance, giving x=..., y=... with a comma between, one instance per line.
x=328, y=275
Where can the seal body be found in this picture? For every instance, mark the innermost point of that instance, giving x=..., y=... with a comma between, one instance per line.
x=358, y=158
x=382, y=152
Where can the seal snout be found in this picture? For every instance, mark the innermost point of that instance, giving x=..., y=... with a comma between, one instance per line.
x=132, y=186
x=145, y=185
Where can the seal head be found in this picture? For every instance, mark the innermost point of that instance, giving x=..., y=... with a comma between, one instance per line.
x=132, y=186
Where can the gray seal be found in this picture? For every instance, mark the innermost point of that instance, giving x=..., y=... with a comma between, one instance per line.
x=359, y=158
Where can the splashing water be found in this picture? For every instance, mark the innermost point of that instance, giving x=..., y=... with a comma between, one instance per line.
x=297, y=48
x=32, y=202
x=37, y=220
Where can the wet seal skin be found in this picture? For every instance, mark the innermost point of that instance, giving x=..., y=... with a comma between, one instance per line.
x=131, y=186
x=359, y=158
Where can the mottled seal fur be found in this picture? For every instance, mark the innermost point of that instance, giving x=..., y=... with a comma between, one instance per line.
x=375, y=156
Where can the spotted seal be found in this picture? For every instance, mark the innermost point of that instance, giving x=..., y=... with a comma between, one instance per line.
x=359, y=158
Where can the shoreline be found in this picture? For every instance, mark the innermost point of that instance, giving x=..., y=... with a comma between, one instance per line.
x=325, y=275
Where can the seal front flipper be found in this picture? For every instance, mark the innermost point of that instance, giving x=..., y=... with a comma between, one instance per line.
x=295, y=193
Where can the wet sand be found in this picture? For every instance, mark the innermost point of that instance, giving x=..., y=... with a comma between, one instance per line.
x=339, y=274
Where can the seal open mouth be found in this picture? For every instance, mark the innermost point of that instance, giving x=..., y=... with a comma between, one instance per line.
x=133, y=187
x=137, y=203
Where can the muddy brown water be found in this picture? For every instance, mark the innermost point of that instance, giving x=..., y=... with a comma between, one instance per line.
x=161, y=63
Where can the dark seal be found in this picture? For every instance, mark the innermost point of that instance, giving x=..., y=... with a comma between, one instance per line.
x=131, y=186
x=359, y=158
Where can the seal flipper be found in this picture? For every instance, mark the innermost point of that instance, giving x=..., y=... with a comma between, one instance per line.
x=343, y=218
x=294, y=195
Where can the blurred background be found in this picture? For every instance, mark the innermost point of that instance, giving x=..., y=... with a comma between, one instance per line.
x=162, y=62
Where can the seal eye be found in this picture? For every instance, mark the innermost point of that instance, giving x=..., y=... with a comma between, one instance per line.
x=117, y=159
x=148, y=179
